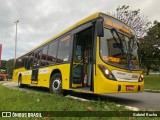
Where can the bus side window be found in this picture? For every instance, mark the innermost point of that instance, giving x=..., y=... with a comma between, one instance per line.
x=39, y=58
x=52, y=50
x=23, y=62
x=44, y=56
x=30, y=61
x=63, y=49
x=35, y=60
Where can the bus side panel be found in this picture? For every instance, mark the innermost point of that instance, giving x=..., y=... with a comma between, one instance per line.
x=16, y=74
x=65, y=72
x=44, y=76
x=26, y=75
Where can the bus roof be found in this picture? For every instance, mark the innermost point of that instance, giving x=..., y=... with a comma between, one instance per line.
x=87, y=19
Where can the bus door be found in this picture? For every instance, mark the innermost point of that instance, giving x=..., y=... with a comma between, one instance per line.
x=35, y=70
x=77, y=65
x=82, y=60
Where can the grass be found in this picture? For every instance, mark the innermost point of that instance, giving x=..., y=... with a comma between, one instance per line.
x=21, y=100
x=14, y=99
x=152, y=81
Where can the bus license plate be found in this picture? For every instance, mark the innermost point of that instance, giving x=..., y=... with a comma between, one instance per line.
x=130, y=87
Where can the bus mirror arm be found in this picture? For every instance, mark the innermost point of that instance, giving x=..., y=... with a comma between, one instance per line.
x=99, y=28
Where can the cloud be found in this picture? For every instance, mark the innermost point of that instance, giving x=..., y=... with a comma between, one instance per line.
x=42, y=19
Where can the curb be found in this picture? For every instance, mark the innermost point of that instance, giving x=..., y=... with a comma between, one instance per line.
x=153, y=91
x=129, y=107
x=118, y=105
x=7, y=83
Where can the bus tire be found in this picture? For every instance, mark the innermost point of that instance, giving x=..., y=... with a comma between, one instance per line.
x=20, y=81
x=56, y=84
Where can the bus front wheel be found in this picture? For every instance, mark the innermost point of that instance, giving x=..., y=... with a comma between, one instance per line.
x=56, y=84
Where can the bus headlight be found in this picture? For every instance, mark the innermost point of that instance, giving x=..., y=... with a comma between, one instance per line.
x=141, y=78
x=106, y=72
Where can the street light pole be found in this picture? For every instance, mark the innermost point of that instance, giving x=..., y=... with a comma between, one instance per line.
x=16, y=40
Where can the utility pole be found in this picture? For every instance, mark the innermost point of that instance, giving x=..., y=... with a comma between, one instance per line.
x=16, y=41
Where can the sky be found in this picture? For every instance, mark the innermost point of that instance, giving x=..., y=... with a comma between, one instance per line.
x=40, y=20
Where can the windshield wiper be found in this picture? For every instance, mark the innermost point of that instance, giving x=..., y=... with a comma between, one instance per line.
x=120, y=46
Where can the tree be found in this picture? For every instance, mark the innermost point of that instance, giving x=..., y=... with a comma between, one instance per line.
x=3, y=65
x=10, y=66
x=7, y=66
x=132, y=18
x=150, y=48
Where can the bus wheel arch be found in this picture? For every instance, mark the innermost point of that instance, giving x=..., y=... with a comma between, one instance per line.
x=56, y=82
x=20, y=81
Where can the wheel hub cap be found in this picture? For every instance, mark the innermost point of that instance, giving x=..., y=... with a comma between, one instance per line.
x=56, y=84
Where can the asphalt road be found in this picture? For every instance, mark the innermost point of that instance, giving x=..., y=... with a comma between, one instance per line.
x=144, y=100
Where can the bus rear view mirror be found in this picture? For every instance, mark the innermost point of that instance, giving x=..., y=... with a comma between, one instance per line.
x=99, y=28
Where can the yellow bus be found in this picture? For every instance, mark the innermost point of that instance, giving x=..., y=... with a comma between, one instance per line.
x=98, y=55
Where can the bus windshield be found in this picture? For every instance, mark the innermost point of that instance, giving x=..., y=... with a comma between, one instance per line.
x=119, y=50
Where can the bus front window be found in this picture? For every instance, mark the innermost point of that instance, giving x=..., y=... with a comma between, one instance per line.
x=116, y=49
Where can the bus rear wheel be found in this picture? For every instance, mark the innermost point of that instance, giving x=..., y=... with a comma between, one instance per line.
x=20, y=82
x=56, y=84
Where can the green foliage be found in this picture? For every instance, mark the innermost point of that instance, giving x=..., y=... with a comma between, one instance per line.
x=3, y=64
x=8, y=66
x=150, y=48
